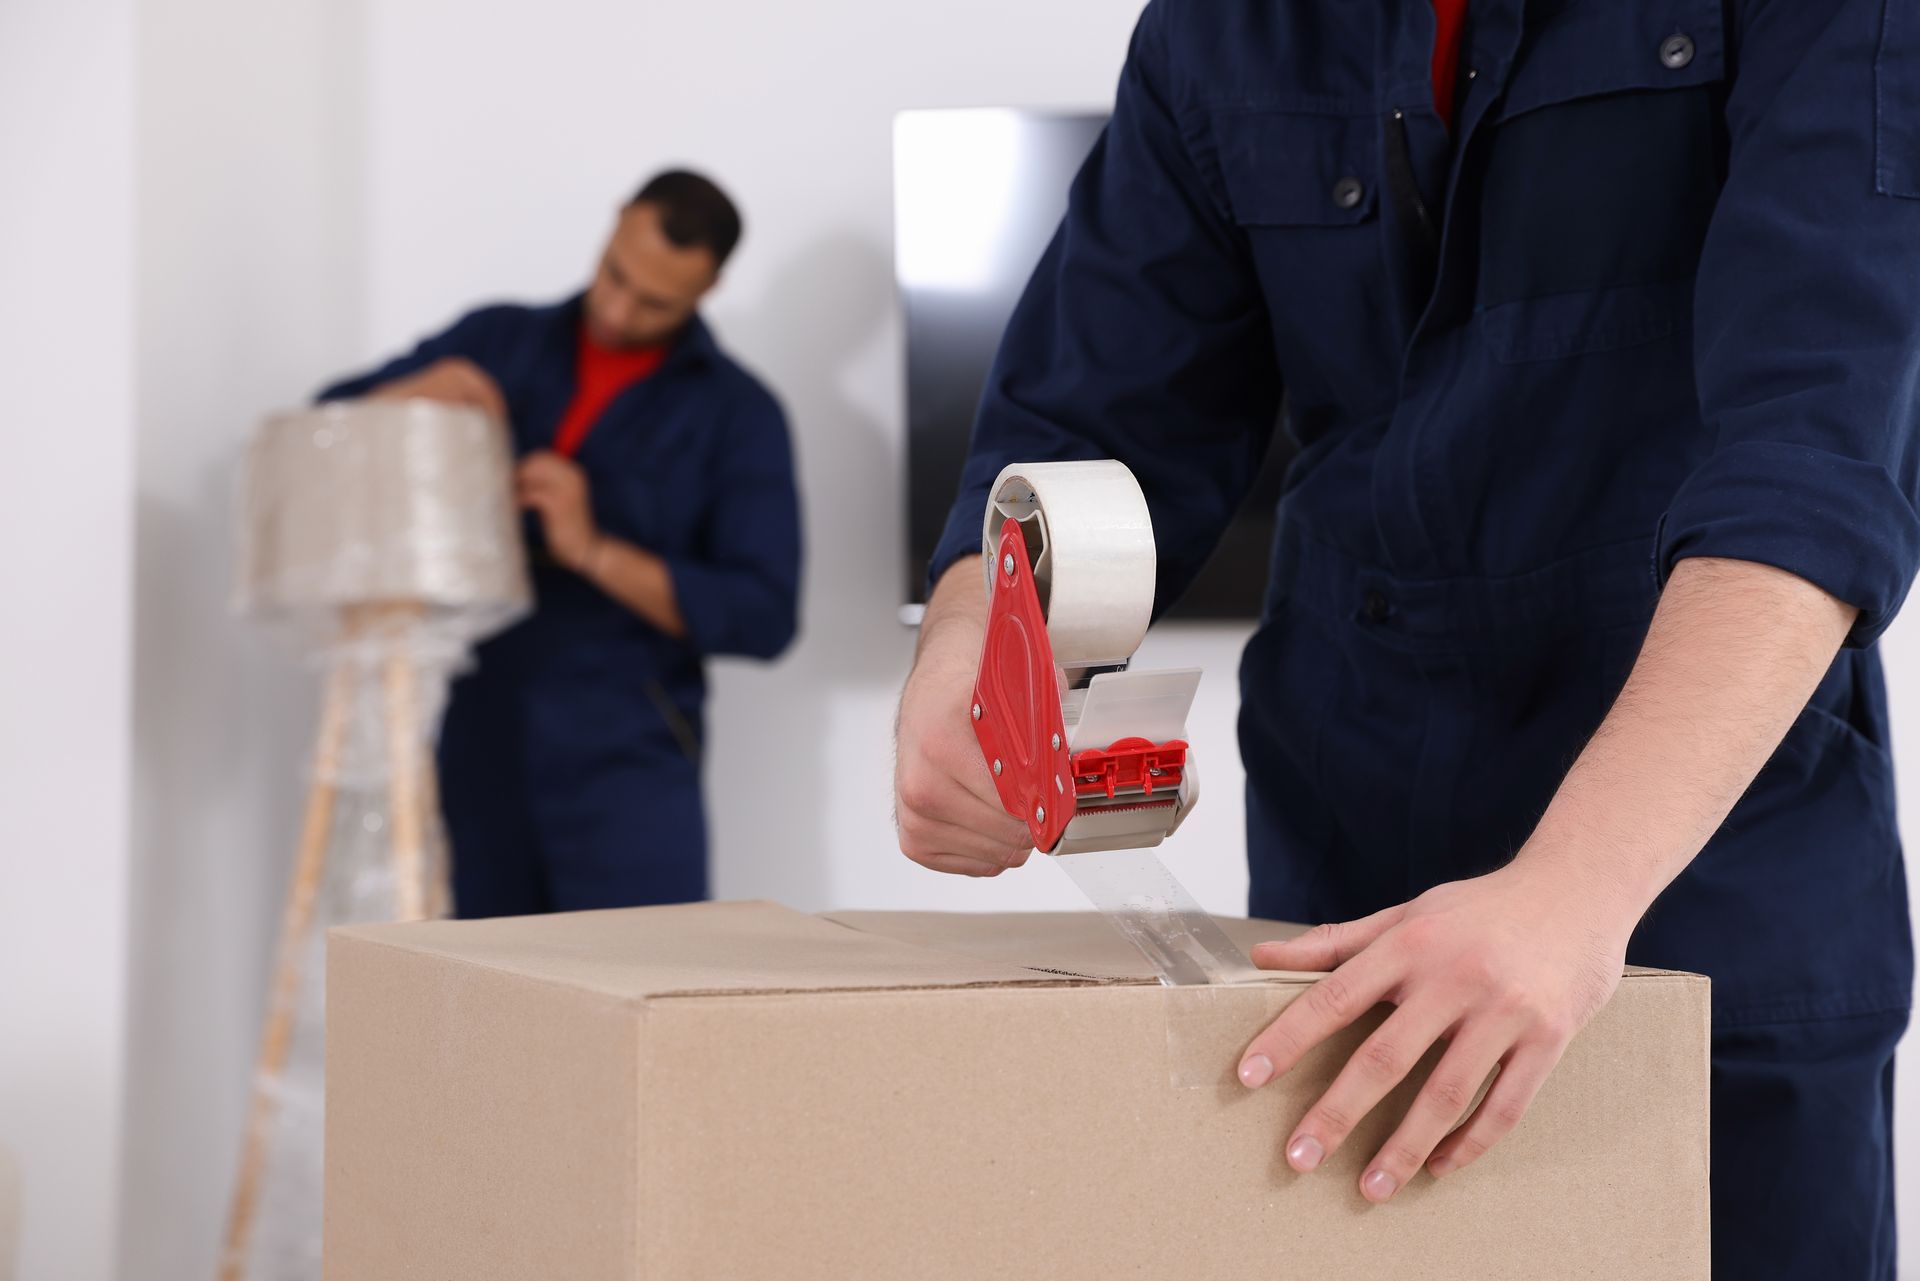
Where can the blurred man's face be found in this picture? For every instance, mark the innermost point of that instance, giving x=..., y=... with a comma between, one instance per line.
x=647, y=287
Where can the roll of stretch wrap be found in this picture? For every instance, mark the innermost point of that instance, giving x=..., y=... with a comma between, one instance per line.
x=382, y=500
x=1090, y=539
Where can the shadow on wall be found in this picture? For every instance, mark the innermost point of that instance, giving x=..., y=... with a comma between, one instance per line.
x=812, y=332
x=9, y=1215
x=222, y=717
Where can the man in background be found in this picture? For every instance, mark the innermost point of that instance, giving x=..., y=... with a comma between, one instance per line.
x=663, y=528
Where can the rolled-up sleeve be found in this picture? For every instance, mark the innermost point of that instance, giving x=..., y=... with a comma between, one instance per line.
x=739, y=589
x=1807, y=318
x=1142, y=336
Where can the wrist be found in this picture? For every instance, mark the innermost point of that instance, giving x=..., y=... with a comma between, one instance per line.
x=948, y=652
x=592, y=559
x=955, y=621
x=1577, y=874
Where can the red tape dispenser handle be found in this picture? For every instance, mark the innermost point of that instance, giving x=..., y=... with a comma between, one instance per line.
x=1016, y=700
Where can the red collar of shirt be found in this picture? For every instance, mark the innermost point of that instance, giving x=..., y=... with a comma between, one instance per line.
x=600, y=374
x=1450, y=19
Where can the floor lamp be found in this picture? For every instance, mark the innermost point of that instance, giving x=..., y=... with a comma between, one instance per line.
x=385, y=531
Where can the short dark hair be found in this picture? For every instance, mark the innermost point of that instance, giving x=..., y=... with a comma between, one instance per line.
x=694, y=212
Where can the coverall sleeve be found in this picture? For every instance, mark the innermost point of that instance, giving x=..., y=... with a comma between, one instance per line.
x=1142, y=336
x=472, y=336
x=739, y=589
x=1807, y=310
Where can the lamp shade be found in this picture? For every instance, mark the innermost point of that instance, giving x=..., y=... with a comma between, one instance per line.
x=381, y=501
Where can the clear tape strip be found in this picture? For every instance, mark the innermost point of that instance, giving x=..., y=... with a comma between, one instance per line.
x=1209, y=1028
x=1136, y=893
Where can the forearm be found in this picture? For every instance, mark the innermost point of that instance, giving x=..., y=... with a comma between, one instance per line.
x=955, y=622
x=1734, y=652
x=637, y=579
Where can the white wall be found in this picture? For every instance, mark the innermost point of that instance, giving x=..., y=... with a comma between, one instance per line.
x=249, y=288
x=66, y=396
x=1900, y=648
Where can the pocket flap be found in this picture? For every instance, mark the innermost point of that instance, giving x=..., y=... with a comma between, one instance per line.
x=1293, y=169
x=1590, y=49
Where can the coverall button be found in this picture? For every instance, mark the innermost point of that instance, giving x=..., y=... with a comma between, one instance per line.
x=1348, y=192
x=1676, y=51
x=1374, y=607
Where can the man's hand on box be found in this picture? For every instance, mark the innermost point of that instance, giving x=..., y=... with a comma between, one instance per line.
x=452, y=380
x=556, y=488
x=1504, y=969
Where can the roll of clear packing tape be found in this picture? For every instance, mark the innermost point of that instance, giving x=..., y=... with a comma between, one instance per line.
x=1090, y=539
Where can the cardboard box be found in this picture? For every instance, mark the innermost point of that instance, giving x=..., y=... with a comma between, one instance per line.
x=742, y=1091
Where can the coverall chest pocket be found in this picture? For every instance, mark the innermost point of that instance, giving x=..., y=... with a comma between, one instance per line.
x=649, y=491
x=659, y=510
x=1304, y=189
x=1896, y=101
x=1599, y=171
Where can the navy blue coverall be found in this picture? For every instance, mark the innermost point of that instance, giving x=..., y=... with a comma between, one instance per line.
x=570, y=755
x=1657, y=295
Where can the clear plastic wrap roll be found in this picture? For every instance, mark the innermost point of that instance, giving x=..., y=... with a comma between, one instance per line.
x=369, y=501
x=1090, y=539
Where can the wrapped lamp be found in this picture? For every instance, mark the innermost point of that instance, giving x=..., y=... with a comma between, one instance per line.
x=391, y=526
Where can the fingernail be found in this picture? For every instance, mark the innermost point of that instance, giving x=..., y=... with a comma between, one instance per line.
x=1306, y=1153
x=1378, y=1185
x=1438, y=1166
x=1255, y=1071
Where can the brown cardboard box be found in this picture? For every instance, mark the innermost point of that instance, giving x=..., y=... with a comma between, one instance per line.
x=742, y=1091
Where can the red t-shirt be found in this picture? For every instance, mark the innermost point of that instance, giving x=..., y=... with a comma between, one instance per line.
x=1450, y=21
x=600, y=374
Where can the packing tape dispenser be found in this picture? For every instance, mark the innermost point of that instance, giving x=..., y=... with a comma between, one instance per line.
x=1093, y=756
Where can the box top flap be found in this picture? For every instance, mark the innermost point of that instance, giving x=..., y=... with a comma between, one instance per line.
x=756, y=947
x=1070, y=944
x=636, y=953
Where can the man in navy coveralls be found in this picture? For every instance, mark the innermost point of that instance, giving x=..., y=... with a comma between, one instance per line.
x=1598, y=325
x=663, y=528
